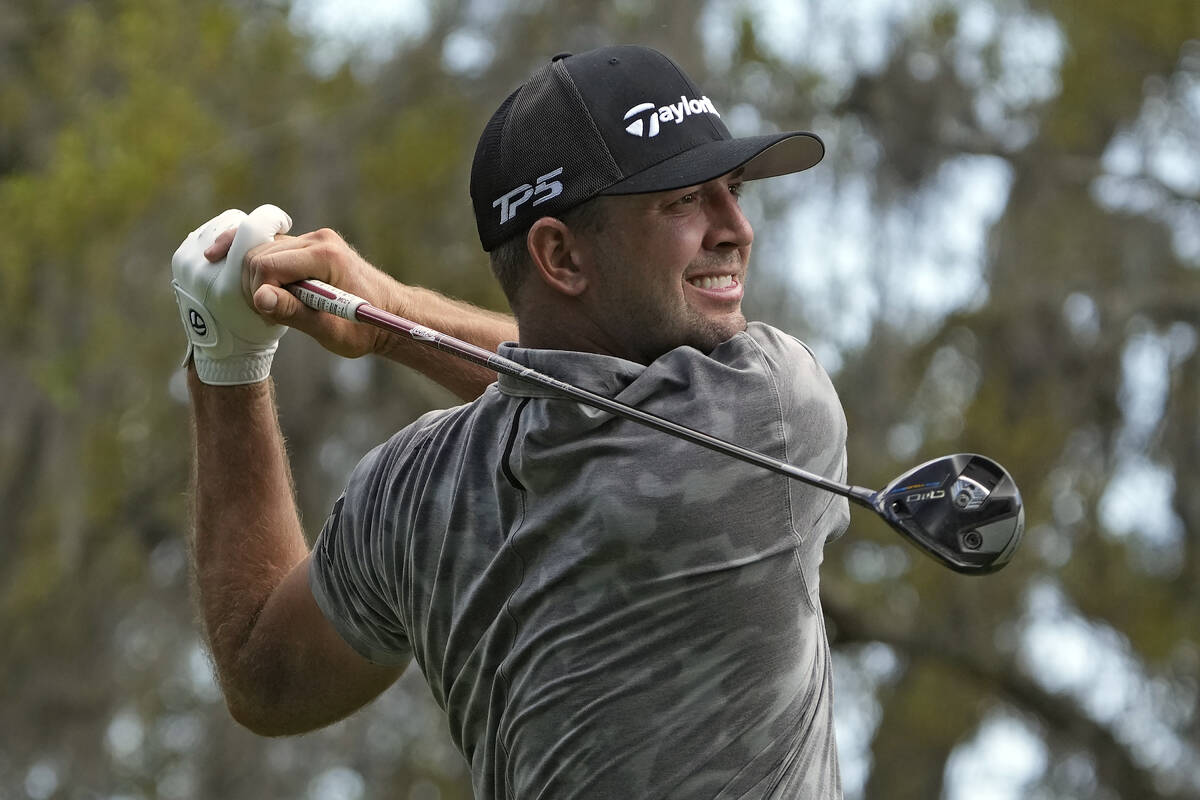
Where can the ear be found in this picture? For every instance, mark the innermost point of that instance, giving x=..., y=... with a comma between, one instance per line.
x=554, y=250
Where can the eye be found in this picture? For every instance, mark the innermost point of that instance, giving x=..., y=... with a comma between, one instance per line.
x=687, y=199
x=735, y=189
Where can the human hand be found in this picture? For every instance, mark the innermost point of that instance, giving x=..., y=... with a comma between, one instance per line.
x=229, y=342
x=323, y=255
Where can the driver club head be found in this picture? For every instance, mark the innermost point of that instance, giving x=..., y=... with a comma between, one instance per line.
x=964, y=510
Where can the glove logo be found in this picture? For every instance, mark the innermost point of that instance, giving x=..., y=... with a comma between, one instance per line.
x=197, y=322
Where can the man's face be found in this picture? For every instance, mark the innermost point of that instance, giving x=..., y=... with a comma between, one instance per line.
x=669, y=269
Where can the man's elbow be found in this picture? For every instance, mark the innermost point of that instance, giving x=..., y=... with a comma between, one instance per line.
x=270, y=708
x=266, y=718
x=257, y=700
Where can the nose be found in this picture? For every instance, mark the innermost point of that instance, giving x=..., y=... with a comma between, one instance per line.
x=728, y=227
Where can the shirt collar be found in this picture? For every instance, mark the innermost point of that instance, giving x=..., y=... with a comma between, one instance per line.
x=605, y=375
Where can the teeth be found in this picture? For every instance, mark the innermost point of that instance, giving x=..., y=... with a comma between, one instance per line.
x=709, y=282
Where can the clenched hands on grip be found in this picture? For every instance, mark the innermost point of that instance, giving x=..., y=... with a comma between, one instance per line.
x=324, y=255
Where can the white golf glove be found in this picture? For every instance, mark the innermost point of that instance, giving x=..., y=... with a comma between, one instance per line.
x=231, y=344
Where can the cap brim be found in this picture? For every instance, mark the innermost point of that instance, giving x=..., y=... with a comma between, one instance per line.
x=762, y=157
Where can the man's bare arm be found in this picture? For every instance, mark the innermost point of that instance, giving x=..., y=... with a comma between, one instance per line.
x=282, y=666
x=326, y=256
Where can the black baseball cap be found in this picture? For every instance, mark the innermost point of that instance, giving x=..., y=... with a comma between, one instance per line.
x=617, y=120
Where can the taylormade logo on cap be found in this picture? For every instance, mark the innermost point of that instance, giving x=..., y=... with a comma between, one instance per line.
x=646, y=119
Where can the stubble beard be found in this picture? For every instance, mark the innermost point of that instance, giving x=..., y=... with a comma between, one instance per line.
x=654, y=325
x=704, y=332
x=656, y=330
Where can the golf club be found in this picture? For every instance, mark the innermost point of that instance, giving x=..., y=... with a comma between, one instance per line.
x=963, y=510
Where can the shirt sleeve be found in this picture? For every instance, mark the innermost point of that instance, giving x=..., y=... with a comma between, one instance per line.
x=354, y=570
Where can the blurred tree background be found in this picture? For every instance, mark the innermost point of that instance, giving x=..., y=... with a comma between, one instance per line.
x=1000, y=253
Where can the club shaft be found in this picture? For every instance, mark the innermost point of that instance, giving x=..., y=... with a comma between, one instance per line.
x=324, y=297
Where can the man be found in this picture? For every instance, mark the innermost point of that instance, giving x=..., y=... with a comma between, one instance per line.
x=603, y=611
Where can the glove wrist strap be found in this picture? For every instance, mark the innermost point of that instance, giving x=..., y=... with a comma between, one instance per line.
x=235, y=370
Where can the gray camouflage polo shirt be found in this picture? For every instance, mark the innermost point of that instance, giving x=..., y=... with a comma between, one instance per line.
x=602, y=610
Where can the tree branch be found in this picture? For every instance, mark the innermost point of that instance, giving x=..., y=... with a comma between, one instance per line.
x=1113, y=761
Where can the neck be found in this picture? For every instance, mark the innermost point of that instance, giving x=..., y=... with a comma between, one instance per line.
x=563, y=323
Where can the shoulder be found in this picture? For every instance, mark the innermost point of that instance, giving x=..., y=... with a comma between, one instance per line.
x=761, y=358
x=780, y=357
x=804, y=388
x=383, y=481
x=782, y=349
x=430, y=427
x=425, y=439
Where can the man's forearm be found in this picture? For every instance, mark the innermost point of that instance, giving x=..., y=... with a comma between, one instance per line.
x=247, y=534
x=480, y=327
x=326, y=256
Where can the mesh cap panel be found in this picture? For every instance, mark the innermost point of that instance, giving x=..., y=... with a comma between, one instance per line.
x=543, y=143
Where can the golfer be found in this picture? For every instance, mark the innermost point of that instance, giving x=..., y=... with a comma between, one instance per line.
x=602, y=611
